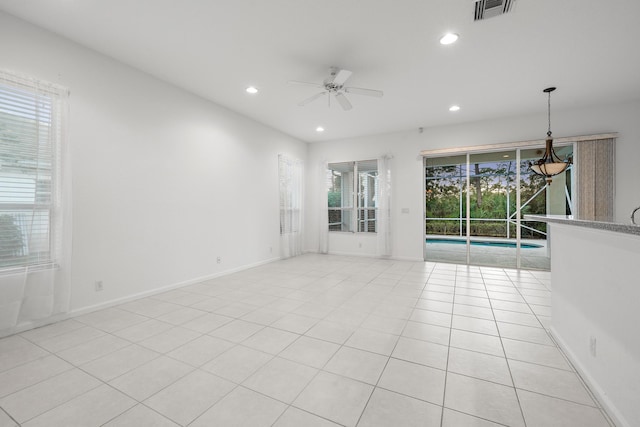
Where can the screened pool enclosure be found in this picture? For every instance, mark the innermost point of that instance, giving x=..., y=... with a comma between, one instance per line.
x=475, y=203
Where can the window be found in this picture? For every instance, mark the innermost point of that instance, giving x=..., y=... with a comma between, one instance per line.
x=290, y=172
x=30, y=133
x=353, y=196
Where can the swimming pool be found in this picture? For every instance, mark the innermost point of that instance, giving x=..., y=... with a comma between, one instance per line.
x=491, y=243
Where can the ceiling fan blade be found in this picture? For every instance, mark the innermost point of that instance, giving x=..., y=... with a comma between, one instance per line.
x=311, y=99
x=294, y=82
x=343, y=101
x=341, y=77
x=366, y=92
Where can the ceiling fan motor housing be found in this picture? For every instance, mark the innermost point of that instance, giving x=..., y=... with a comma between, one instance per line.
x=334, y=84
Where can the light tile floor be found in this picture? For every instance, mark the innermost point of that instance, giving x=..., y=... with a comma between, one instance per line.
x=315, y=340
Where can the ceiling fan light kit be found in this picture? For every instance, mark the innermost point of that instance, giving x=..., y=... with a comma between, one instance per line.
x=334, y=85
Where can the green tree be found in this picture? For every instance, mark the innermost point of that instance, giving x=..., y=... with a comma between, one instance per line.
x=492, y=185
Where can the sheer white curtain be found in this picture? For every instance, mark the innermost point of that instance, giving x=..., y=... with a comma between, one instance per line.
x=291, y=172
x=384, y=207
x=35, y=201
x=323, y=207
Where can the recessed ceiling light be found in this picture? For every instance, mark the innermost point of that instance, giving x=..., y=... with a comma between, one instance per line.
x=319, y=129
x=454, y=108
x=449, y=38
x=252, y=89
x=506, y=156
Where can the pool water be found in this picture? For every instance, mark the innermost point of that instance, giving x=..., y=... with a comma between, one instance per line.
x=491, y=243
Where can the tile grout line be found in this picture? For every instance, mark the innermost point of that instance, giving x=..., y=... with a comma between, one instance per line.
x=364, y=408
x=377, y=291
x=164, y=354
x=593, y=397
x=388, y=359
x=10, y=416
x=446, y=371
x=524, y=420
x=573, y=370
x=319, y=370
x=101, y=383
x=468, y=376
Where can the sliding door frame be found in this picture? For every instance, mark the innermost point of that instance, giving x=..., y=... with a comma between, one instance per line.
x=513, y=146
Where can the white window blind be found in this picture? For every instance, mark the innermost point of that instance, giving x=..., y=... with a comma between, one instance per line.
x=30, y=131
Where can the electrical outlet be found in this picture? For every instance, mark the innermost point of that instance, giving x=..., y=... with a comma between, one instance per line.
x=219, y=260
x=99, y=285
x=270, y=249
x=593, y=346
x=360, y=245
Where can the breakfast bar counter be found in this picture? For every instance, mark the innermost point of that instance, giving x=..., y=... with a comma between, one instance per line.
x=595, y=280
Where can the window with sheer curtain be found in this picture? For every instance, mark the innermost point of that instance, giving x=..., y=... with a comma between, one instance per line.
x=290, y=172
x=31, y=222
x=29, y=180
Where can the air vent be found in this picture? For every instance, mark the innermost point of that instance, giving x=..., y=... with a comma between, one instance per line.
x=490, y=8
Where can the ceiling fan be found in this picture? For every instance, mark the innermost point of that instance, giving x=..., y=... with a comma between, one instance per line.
x=334, y=85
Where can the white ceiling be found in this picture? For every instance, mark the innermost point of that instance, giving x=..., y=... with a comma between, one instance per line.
x=216, y=48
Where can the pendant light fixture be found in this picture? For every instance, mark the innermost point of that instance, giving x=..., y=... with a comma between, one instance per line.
x=550, y=164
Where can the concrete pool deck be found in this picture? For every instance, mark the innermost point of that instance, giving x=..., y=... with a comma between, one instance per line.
x=493, y=256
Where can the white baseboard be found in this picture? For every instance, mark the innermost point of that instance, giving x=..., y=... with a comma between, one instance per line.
x=34, y=324
x=592, y=384
x=128, y=298
x=106, y=304
x=117, y=301
x=358, y=254
x=391, y=258
x=406, y=258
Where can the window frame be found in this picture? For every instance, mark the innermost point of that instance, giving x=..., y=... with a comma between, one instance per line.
x=358, y=206
x=32, y=185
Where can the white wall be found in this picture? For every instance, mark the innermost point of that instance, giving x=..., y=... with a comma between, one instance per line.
x=407, y=174
x=163, y=181
x=599, y=303
x=160, y=176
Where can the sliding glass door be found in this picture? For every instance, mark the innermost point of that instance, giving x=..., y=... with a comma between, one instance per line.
x=475, y=203
x=445, y=208
x=492, y=198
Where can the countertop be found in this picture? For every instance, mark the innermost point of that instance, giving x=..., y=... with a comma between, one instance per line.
x=599, y=225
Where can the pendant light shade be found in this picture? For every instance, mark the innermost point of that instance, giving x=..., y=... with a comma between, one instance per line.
x=550, y=164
